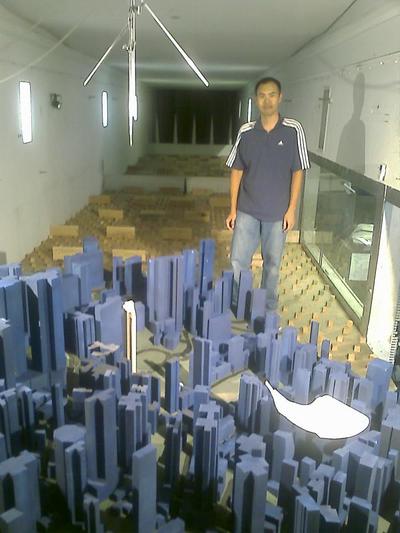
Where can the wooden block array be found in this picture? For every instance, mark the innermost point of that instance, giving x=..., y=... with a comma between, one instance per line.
x=59, y=252
x=125, y=232
x=176, y=233
x=64, y=230
x=111, y=214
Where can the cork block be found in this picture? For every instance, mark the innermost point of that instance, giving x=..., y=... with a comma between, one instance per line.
x=126, y=253
x=100, y=199
x=125, y=232
x=174, y=233
x=111, y=214
x=59, y=252
x=64, y=230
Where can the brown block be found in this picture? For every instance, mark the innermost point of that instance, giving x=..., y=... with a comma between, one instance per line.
x=351, y=357
x=59, y=252
x=176, y=233
x=111, y=214
x=64, y=230
x=125, y=253
x=126, y=232
x=100, y=199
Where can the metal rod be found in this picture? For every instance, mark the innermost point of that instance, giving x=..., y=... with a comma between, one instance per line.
x=185, y=56
x=131, y=49
x=103, y=57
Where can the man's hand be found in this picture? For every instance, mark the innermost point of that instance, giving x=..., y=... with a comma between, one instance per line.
x=289, y=220
x=230, y=220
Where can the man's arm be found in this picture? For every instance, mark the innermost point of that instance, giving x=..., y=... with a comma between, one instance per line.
x=289, y=218
x=236, y=177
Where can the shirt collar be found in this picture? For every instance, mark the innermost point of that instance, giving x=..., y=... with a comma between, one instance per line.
x=259, y=126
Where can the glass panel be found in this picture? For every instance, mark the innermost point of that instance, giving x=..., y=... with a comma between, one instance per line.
x=338, y=223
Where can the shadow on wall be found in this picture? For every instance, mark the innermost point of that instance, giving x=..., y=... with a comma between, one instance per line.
x=3, y=258
x=351, y=151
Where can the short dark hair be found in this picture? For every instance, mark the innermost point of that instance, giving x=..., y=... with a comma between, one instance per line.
x=268, y=80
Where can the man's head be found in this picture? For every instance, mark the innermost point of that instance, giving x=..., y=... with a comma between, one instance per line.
x=268, y=96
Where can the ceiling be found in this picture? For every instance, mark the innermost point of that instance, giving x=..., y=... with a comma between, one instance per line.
x=232, y=41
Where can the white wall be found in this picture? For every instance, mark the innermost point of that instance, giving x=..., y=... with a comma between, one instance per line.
x=359, y=60
x=48, y=180
x=348, y=60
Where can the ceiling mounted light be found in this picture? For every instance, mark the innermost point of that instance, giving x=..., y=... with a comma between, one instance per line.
x=135, y=9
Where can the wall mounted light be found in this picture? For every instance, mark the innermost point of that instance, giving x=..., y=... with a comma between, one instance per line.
x=249, y=105
x=104, y=108
x=56, y=100
x=25, y=108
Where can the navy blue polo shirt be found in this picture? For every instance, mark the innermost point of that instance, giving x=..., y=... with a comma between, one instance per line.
x=268, y=160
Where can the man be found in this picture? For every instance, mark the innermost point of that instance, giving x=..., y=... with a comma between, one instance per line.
x=268, y=161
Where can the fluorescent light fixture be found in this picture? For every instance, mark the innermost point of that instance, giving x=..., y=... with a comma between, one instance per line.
x=131, y=353
x=25, y=106
x=240, y=109
x=326, y=416
x=132, y=97
x=104, y=108
x=189, y=61
x=249, y=104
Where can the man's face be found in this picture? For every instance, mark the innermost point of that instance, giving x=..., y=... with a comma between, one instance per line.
x=268, y=99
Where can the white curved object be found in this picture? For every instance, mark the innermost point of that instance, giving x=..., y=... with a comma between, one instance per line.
x=326, y=416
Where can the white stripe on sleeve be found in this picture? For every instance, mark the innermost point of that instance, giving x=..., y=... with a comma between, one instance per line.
x=301, y=141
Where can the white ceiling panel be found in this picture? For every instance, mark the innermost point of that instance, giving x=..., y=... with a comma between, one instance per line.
x=232, y=41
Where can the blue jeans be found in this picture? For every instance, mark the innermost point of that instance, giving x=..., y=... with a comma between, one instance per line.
x=248, y=233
